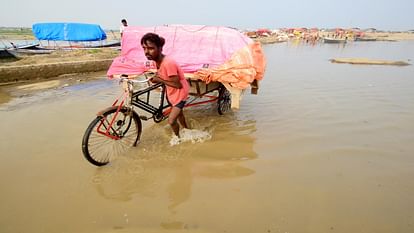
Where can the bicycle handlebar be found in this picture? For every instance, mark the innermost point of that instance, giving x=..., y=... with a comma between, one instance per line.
x=132, y=81
x=128, y=82
x=148, y=76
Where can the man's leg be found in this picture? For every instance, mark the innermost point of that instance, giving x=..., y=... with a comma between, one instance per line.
x=172, y=120
x=181, y=119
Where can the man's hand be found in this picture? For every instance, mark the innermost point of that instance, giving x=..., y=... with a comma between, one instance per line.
x=174, y=81
x=156, y=79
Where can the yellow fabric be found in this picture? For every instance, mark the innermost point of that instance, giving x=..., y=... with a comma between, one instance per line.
x=245, y=66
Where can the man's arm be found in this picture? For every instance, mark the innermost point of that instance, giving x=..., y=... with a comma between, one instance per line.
x=173, y=82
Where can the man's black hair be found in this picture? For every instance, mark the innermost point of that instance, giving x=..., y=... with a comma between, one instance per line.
x=153, y=38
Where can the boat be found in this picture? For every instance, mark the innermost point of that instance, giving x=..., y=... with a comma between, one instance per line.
x=12, y=51
x=330, y=40
x=68, y=32
x=106, y=45
x=20, y=53
x=71, y=36
x=5, y=54
x=365, y=39
x=366, y=61
x=25, y=46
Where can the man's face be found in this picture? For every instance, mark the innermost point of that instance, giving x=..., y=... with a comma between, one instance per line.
x=151, y=51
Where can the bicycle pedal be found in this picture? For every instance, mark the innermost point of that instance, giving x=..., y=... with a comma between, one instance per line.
x=144, y=118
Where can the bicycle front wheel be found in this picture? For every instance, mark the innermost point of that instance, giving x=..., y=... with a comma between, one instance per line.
x=110, y=135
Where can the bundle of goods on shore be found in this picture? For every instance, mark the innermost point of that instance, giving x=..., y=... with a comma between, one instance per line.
x=207, y=53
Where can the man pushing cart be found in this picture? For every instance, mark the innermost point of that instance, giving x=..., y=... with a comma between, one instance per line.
x=195, y=61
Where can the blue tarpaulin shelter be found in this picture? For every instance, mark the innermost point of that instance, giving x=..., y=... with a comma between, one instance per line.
x=68, y=32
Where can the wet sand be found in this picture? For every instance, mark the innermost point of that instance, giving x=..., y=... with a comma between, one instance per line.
x=9, y=91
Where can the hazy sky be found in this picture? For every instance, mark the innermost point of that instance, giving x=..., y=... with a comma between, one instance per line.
x=380, y=14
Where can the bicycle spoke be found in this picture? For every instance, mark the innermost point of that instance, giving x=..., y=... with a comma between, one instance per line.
x=100, y=146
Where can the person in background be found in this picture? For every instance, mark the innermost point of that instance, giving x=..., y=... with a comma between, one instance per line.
x=170, y=74
x=123, y=26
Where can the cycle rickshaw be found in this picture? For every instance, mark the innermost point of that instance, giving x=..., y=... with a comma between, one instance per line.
x=119, y=127
x=217, y=51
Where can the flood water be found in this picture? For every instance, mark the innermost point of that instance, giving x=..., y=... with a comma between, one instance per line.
x=323, y=147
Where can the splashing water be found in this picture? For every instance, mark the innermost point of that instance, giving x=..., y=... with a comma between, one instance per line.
x=190, y=135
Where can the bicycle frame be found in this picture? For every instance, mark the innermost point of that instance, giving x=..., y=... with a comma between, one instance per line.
x=131, y=98
x=156, y=112
x=161, y=111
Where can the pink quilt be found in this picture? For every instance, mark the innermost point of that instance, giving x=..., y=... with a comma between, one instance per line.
x=210, y=53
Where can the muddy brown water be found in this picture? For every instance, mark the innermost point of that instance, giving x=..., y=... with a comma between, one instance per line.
x=322, y=148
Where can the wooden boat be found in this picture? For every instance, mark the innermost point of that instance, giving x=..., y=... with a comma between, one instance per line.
x=72, y=36
x=4, y=54
x=365, y=39
x=78, y=45
x=330, y=40
x=366, y=61
x=111, y=44
x=11, y=52
x=20, y=53
x=26, y=46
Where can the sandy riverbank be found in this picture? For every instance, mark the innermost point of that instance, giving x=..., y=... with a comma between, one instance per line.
x=56, y=64
x=385, y=36
x=377, y=36
x=65, y=56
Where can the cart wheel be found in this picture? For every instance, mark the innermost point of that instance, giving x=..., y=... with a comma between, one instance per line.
x=224, y=101
x=158, y=117
x=125, y=132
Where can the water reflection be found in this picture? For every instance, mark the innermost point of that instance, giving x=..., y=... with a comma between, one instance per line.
x=157, y=171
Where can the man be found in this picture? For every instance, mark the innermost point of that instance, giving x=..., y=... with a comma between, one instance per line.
x=123, y=26
x=170, y=74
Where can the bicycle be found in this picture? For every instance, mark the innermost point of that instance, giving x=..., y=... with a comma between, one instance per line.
x=119, y=127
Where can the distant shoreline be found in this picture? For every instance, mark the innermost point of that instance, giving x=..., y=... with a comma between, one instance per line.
x=77, y=61
x=376, y=36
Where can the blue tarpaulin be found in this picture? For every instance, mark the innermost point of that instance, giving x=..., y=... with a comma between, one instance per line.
x=68, y=32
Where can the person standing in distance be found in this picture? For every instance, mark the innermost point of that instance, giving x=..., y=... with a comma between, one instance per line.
x=170, y=74
x=123, y=26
